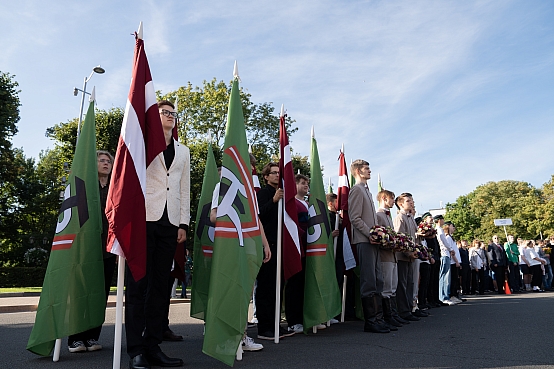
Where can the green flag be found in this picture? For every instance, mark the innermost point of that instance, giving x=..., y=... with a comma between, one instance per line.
x=321, y=292
x=237, y=246
x=379, y=183
x=203, y=240
x=73, y=297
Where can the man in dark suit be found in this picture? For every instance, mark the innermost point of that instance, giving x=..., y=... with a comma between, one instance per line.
x=499, y=263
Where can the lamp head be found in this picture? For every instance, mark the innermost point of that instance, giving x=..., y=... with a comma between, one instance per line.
x=98, y=70
x=75, y=91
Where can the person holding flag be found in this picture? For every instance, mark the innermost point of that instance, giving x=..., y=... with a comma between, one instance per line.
x=73, y=298
x=167, y=218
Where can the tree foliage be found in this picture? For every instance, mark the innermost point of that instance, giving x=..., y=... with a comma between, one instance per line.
x=9, y=116
x=474, y=213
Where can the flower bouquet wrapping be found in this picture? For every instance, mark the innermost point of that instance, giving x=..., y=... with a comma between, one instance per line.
x=382, y=236
x=426, y=230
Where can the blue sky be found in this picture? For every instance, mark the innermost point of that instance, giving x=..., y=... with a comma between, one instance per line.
x=439, y=96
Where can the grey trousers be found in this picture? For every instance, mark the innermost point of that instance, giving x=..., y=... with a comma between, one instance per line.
x=405, y=289
x=390, y=278
x=371, y=277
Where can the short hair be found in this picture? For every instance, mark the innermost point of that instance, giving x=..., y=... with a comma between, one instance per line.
x=446, y=228
x=357, y=164
x=401, y=198
x=384, y=193
x=267, y=168
x=165, y=102
x=105, y=152
x=330, y=197
x=300, y=177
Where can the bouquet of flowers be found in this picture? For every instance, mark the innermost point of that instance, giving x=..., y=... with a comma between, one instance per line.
x=382, y=236
x=404, y=243
x=426, y=230
x=422, y=252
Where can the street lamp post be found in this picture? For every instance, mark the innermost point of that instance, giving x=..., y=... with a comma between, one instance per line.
x=98, y=70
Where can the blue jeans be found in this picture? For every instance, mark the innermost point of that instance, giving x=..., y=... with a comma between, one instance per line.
x=444, y=279
x=547, y=277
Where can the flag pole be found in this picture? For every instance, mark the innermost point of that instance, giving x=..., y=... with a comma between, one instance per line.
x=57, y=349
x=343, y=298
x=278, y=272
x=118, y=313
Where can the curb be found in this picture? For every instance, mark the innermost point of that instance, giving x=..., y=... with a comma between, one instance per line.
x=31, y=308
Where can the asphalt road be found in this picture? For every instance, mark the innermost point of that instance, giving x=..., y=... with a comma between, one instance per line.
x=512, y=331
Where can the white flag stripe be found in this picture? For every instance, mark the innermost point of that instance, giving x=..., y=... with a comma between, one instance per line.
x=286, y=155
x=63, y=242
x=343, y=181
x=292, y=228
x=316, y=250
x=116, y=249
x=132, y=136
x=149, y=95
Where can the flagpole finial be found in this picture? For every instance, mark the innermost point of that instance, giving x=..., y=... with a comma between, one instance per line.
x=342, y=148
x=282, y=114
x=92, y=95
x=313, y=132
x=236, y=71
x=139, y=32
x=250, y=149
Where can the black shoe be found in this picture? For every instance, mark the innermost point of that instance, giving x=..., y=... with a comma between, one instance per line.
x=419, y=313
x=393, y=322
x=160, y=359
x=170, y=336
x=400, y=320
x=376, y=328
x=139, y=362
x=390, y=327
x=285, y=333
x=411, y=318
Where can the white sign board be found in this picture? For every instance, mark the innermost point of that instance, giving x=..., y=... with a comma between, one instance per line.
x=503, y=222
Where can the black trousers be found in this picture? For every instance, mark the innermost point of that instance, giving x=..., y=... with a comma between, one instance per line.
x=294, y=297
x=454, y=280
x=146, y=299
x=265, y=293
x=536, y=271
x=466, y=278
x=514, y=277
x=424, y=277
x=94, y=333
x=405, y=288
x=478, y=280
x=433, y=289
x=499, y=277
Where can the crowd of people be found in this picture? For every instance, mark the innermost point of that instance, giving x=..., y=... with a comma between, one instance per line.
x=396, y=287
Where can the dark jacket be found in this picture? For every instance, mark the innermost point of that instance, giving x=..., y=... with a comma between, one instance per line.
x=498, y=255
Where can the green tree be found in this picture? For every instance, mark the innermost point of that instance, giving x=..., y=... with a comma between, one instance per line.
x=9, y=116
x=474, y=214
x=545, y=212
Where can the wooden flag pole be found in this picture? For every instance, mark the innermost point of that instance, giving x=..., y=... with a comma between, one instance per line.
x=118, y=313
x=278, y=271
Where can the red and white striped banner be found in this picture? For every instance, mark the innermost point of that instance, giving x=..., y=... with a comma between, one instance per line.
x=349, y=252
x=140, y=141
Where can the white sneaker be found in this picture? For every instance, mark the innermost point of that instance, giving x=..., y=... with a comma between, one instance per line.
x=248, y=344
x=333, y=321
x=77, y=346
x=448, y=302
x=93, y=345
x=321, y=326
x=254, y=321
x=297, y=328
x=455, y=299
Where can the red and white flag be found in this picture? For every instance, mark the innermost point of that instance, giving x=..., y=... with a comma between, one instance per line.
x=292, y=262
x=140, y=141
x=348, y=250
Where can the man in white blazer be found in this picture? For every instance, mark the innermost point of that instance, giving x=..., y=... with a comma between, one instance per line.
x=167, y=219
x=363, y=217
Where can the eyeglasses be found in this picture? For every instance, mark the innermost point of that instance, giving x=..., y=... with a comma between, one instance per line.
x=105, y=161
x=168, y=113
x=274, y=172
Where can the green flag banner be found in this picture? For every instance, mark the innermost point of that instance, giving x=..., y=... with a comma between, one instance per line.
x=73, y=297
x=237, y=252
x=203, y=241
x=321, y=292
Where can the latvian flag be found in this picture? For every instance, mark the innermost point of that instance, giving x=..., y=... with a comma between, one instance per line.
x=292, y=262
x=140, y=141
x=349, y=253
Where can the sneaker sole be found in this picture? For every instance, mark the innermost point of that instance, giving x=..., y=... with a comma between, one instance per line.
x=251, y=349
x=266, y=338
x=75, y=350
x=93, y=348
x=287, y=334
